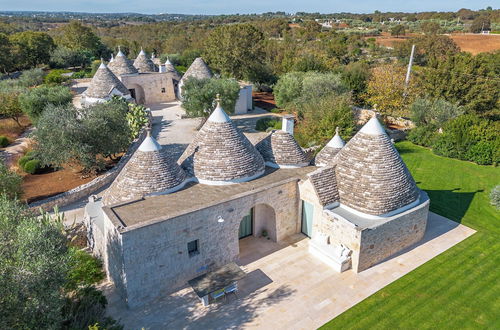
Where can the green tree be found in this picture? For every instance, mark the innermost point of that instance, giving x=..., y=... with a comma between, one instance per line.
x=198, y=95
x=34, y=101
x=10, y=107
x=77, y=36
x=33, y=266
x=429, y=49
x=398, y=30
x=5, y=54
x=471, y=81
x=480, y=23
x=63, y=57
x=235, y=50
x=355, y=76
x=10, y=184
x=430, y=27
x=30, y=49
x=85, y=136
x=433, y=112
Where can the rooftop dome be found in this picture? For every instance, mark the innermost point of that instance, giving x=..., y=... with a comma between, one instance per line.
x=327, y=155
x=169, y=67
x=103, y=83
x=280, y=149
x=143, y=63
x=198, y=69
x=150, y=170
x=371, y=176
x=221, y=154
x=121, y=65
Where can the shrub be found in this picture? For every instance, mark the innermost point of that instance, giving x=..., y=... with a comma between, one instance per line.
x=23, y=160
x=495, y=197
x=32, y=166
x=423, y=135
x=435, y=112
x=35, y=100
x=481, y=153
x=56, y=76
x=80, y=74
x=10, y=182
x=4, y=141
x=85, y=269
x=31, y=78
x=137, y=118
x=264, y=123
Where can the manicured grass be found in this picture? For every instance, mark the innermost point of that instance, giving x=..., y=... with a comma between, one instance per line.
x=459, y=289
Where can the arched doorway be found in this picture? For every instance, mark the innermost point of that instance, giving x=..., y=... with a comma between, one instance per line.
x=260, y=221
x=137, y=92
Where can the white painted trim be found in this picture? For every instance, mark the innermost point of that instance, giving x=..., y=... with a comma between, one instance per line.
x=171, y=190
x=275, y=165
x=228, y=182
x=382, y=216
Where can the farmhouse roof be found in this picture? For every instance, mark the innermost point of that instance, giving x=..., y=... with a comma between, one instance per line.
x=327, y=155
x=221, y=154
x=198, y=69
x=371, y=176
x=280, y=149
x=144, y=64
x=103, y=82
x=324, y=182
x=122, y=65
x=150, y=170
x=169, y=67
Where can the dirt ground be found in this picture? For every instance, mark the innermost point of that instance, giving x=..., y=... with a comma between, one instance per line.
x=10, y=129
x=264, y=100
x=39, y=186
x=468, y=42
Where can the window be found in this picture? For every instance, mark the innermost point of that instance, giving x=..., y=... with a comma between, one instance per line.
x=193, y=248
x=163, y=90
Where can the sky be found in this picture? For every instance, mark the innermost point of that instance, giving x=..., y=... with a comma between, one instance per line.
x=213, y=7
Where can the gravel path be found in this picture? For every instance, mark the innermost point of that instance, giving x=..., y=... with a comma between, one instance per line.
x=16, y=149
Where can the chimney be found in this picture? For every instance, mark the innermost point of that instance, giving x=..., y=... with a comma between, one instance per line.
x=287, y=124
x=162, y=68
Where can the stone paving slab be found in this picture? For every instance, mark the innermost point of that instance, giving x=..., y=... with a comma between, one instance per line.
x=286, y=287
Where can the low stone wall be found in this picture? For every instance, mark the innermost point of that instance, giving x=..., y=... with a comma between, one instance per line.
x=91, y=187
x=361, y=116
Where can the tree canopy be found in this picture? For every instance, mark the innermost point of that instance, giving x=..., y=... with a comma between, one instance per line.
x=30, y=49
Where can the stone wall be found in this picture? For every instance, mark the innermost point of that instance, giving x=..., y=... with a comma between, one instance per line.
x=155, y=257
x=341, y=231
x=156, y=87
x=393, y=236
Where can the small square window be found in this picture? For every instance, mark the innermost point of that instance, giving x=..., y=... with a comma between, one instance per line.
x=163, y=90
x=193, y=248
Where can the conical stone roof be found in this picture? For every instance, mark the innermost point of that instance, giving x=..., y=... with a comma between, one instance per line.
x=103, y=83
x=143, y=63
x=280, y=149
x=150, y=170
x=121, y=65
x=371, y=176
x=221, y=153
x=198, y=69
x=169, y=67
x=327, y=155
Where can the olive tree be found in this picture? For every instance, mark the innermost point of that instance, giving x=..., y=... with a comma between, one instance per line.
x=34, y=101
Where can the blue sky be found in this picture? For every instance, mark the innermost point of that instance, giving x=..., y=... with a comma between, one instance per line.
x=240, y=6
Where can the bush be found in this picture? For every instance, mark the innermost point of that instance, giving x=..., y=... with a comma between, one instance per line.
x=32, y=166
x=137, y=118
x=23, y=160
x=198, y=95
x=423, y=135
x=435, y=112
x=264, y=123
x=469, y=137
x=495, y=197
x=80, y=74
x=85, y=269
x=56, y=77
x=35, y=100
x=10, y=182
x=31, y=78
x=4, y=141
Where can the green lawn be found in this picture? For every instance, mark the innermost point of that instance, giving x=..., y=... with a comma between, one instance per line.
x=459, y=288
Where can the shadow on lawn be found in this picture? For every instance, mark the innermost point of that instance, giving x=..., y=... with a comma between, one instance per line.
x=452, y=204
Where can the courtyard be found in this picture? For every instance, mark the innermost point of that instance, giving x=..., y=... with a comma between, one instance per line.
x=286, y=287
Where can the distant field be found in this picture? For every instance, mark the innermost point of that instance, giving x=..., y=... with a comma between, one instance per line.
x=472, y=43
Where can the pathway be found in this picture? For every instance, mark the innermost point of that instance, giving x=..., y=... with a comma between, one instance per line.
x=16, y=149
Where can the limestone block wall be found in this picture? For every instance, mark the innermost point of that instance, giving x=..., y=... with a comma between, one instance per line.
x=156, y=259
x=391, y=237
x=264, y=219
x=341, y=231
x=152, y=85
x=308, y=194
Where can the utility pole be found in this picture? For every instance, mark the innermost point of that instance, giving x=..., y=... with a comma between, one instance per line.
x=407, y=80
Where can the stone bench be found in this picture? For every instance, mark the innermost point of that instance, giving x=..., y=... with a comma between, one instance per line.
x=336, y=256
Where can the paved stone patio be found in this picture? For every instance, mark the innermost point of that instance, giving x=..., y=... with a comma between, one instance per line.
x=286, y=287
